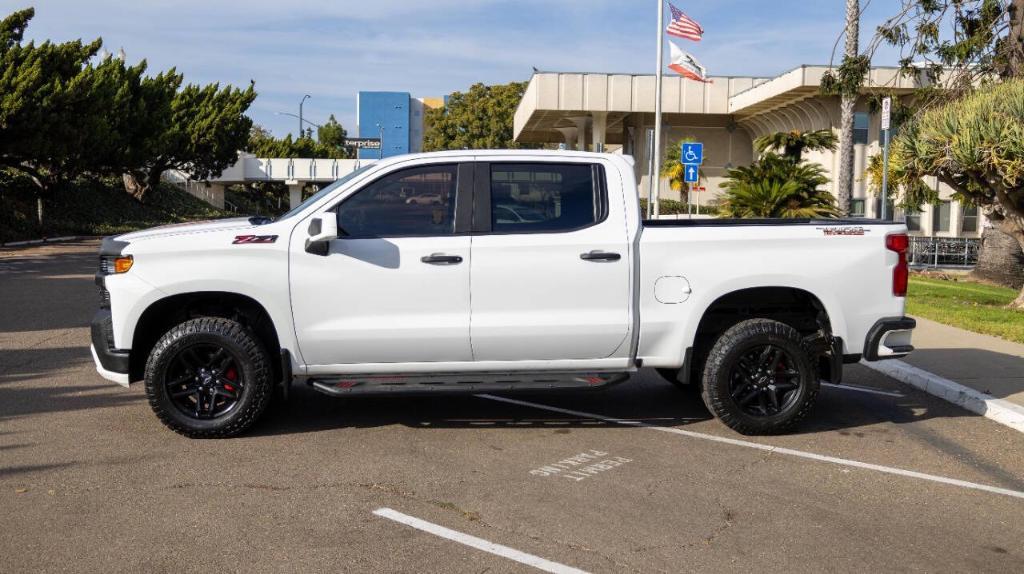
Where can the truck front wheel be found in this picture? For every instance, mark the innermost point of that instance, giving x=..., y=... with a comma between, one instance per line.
x=208, y=378
x=758, y=379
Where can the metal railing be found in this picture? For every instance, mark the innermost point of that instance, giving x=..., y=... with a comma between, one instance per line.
x=943, y=251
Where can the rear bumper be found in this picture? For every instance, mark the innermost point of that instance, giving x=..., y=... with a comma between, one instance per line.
x=112, y=364
x=889, y=339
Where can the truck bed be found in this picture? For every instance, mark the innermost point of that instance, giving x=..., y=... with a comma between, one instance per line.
x=725, y=222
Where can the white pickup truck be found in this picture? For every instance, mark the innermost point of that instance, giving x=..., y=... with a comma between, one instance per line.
x=494, y=271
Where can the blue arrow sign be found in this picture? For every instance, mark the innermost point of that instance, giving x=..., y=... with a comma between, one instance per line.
x=692, y=152
x=691, y=173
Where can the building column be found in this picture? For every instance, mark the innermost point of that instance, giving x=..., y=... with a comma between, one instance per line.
x=570, y=137
x=581, y=132
x=600, y=128
x=294, y=193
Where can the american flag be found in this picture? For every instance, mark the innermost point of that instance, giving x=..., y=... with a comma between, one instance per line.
x=683, y=26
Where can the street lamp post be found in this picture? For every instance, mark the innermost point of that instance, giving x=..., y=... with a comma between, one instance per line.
x=301, y=119
x=380, y=151
x=304, y=98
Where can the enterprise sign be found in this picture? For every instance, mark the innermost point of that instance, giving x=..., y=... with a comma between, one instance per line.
x=363, y=143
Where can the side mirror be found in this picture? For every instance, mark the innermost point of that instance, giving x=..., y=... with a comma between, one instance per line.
x=322, y=229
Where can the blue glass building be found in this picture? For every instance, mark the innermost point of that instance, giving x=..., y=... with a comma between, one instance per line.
x=387, y=114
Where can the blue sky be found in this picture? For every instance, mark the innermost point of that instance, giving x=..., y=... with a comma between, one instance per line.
x=332, y=49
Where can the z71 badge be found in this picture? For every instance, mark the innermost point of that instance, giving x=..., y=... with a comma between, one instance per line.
x=254, y=239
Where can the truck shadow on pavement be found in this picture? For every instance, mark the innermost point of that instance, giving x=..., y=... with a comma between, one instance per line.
x=38, y=381
x=644, y=399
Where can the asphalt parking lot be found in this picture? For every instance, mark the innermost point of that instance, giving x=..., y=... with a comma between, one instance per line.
x=633, y=479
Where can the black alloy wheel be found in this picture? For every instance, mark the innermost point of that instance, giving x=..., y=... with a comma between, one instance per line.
x=209, y=377
x=758, y=378
x=765, y=381
x=203, y=381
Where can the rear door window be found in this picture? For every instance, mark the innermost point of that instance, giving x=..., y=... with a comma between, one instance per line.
x=545, y=197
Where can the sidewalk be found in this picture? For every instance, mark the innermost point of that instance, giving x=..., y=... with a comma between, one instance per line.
x=984, y=363
x=980, y=373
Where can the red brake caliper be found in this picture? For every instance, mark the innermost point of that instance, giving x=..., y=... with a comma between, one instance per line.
x=232, y=375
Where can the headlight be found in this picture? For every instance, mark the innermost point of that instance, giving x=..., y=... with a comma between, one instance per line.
x=116, y=265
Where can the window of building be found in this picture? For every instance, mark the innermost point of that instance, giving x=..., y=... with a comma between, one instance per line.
x=970, y=218
x=861, y=121
x=545, y=197
x=889, y=208
x=407, y=203
x=914, y=221
x=857, y=208
x=941, y=216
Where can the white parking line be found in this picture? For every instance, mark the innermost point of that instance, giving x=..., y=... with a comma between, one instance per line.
x=773, y=449
x=864, y=390
x=478, y=543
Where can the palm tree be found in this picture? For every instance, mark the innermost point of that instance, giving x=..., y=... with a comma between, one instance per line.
x=848, y=99
x=773, y=198
x=774, y=167
x=775, y=186
x=793, y=143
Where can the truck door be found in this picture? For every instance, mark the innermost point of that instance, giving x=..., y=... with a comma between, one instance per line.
x=551, y=263
x=394, y=288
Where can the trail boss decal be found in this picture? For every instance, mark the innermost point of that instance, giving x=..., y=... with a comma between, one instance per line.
x=848, y=230
x=254, y=239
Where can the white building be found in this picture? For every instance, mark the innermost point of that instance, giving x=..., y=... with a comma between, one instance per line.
x=615, y=111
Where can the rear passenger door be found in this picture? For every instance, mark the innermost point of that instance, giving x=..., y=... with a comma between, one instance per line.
x=550, y=267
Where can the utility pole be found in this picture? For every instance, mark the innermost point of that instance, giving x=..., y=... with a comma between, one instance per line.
x=656, y=163
x=304, y=98
x=886, y=126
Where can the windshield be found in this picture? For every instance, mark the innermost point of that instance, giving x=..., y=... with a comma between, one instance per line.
x=320, y=194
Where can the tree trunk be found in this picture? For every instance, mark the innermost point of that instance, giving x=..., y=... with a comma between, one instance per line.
x=1001, y=261
x=134, y=185
x=1012, y=47
x=848, y=101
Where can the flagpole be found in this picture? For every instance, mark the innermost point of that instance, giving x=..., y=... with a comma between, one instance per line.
x=656, y=176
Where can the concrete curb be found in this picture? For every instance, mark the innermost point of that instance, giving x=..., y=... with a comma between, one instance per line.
x=47, y=240
x=998, y=410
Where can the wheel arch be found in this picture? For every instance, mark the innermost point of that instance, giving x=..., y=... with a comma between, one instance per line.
x=163, y=314
x=795, y=306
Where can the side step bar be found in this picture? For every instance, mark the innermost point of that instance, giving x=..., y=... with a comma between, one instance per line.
x=463, y=383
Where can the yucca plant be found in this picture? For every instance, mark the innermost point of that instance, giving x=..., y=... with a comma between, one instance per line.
x=975, y=145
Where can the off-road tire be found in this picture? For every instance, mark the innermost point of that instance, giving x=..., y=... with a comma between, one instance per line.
x=254, y=366
x=725, y=355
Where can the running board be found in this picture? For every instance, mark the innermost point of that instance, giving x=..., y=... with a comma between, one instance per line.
x=462, y=383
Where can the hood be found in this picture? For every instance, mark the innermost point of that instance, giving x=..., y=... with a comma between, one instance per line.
x=188, y=228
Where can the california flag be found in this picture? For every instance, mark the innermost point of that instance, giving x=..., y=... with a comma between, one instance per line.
x=686, y=65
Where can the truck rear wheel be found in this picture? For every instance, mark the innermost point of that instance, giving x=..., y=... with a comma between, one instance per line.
x=758, y=379
x=208, y=378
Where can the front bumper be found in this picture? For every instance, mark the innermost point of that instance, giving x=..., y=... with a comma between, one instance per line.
x=112, y=364
x=889, y=339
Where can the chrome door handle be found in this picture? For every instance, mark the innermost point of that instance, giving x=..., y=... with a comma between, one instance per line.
x=600, y=256
x=441, y=259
